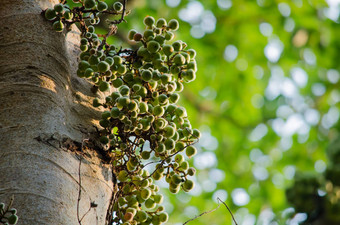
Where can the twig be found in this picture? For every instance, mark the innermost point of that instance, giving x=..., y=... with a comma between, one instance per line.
x=85, y=213
x=232, y=216
x=207, y=212
x=79, y=193
x=203, y=213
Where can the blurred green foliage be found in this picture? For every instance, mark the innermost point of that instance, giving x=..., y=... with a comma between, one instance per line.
x=266, y=98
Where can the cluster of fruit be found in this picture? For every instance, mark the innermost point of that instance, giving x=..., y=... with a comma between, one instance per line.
x=140, y=109
x=319, y=195
x=62, y=14
x=7, y=215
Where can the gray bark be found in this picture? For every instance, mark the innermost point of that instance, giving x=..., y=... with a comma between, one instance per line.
x=44, y=109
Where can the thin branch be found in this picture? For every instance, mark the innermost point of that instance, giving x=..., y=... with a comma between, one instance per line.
x=207, y=212
x=232, y=216
x=85, y=214
x=79, y=193
x=203, y=213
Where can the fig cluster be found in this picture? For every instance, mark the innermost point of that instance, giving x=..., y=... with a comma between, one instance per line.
x=142, y=122
x=87, y=12
x=7, y=215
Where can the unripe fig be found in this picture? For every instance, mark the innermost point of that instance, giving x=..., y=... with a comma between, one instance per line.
x=104, y=86
x=190, y=75
x=103, y=66
x=158, y=111
x=145, y=193
x=192, y=65
x=160, y=148
x=153, y=46
x=130, y=167
x=141, y=216
x=192, y=53
x=176, y=179
x=184, y=165
x=150, y=203
x=146, y=75
x=124, y=90
x=161, y=22
x=104, y=123
x=169, y=131
x=180, y=112
x=93, y=60
x=188, y=185
x=163, y=217
x=169, y=144
x=169, y=36
x=179, y=86
x=155, y=220
x=117, y=60
x=83, y=65
x=58, y=26
x=179, y=146
x=179, y=158
x=115, y=95
x=89, y=3
x=157, y=176
x=117, y=6
x=196, y=133
x=186, y=56
x=190, y=151
x=177, y=46
x=174, y=98
x=131, y=34
x=174, y=190
x=142, y=92
x=173, y=24
x=121, y=69
x=104, y=140
x=148, y=34
x=109, y=60
x=91, y=29
x=83, y=48
x=117, y=82
x=12, y=219
x=162, y=99
x=50, y=14
x=96, y=102
x=145, y=155
x=191, y=171
x=160, y=39
x=132, y=106
x=179, y=59
x=143, y=107
x=106, y=115
x=149, y=21
x=59, y=8
x=102, y=6
x=123, y=101
x=158, y=198
x=2, y=206
x=88, y=73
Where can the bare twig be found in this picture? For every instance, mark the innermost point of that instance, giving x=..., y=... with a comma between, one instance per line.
x=79, y=193
x=203, y=213
x=207, y=212
x=232, y=216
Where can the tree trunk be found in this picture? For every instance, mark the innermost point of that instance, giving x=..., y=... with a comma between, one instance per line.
x=45, y=116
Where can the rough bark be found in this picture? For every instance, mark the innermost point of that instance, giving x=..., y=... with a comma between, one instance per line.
x=44, y=114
